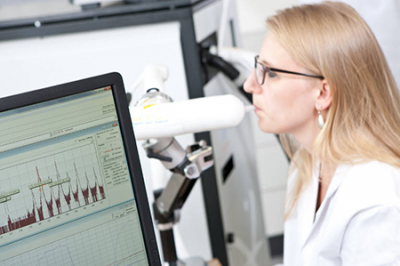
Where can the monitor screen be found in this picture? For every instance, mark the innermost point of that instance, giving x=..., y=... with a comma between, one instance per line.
x=66, y=194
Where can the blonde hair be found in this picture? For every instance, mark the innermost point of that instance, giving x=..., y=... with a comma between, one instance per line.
x=363, y=121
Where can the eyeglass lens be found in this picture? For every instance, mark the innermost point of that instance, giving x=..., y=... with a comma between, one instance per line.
x=259, y=73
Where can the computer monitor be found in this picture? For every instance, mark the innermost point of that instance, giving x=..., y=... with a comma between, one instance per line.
x=71, y=186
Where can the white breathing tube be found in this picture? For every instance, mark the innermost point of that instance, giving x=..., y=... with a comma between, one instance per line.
x=197, y=115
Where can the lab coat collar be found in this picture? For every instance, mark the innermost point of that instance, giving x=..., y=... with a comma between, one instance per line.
x=307, y=202
x=311, y=219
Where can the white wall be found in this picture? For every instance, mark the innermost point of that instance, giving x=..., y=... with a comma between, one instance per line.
x=252, y=15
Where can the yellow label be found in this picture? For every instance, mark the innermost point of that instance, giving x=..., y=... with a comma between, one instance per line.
x=147, y=106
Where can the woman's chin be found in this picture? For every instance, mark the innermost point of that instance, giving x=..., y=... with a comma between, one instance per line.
x=267, y=128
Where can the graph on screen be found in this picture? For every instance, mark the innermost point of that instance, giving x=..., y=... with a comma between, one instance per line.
x=33, y=190
x=114, y=242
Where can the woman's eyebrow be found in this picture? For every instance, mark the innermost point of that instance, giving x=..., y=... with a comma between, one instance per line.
x=265, y=62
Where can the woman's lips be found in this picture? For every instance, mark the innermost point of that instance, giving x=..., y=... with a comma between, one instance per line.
x=256, y=109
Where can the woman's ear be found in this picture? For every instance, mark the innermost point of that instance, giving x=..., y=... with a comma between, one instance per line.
x=324, y=96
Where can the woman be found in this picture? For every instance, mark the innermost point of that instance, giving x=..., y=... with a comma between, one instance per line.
x=322, y=82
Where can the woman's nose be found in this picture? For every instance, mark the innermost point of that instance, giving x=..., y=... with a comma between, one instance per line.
x=251, y=85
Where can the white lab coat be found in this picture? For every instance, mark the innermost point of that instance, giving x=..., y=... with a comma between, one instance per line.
x=358, y=222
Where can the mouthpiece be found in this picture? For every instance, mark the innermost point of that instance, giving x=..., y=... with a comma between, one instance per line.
x=249, y=108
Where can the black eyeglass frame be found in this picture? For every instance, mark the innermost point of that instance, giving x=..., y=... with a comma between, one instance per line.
x=267, y=69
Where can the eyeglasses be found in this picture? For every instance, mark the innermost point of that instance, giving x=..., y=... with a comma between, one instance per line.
x=260, y=70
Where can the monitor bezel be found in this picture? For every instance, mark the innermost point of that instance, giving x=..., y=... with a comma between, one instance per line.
x=116, y=82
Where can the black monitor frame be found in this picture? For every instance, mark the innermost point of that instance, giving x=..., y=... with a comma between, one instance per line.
x=115, y=81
